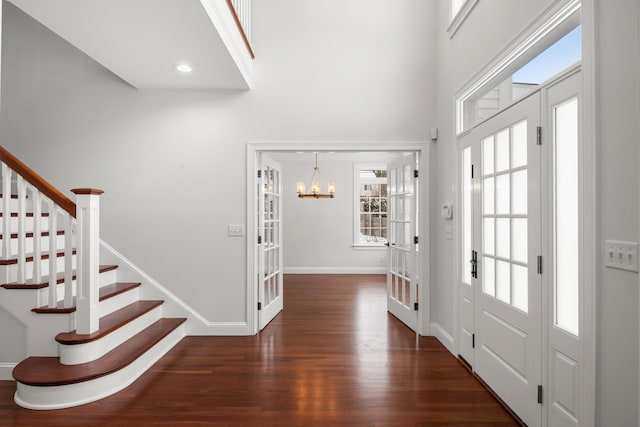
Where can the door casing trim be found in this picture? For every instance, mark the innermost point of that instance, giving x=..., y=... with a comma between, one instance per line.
x=422, y=148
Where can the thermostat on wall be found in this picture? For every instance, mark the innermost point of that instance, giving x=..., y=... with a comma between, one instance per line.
x=447, y=211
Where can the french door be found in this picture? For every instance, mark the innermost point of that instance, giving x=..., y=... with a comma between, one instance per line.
x=500, y=300
x=270, y=298
x=402, y=286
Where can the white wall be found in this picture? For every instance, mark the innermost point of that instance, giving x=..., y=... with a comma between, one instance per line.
x=618, y=213
x=617, y=175
x=318, y=234
x=172, y=163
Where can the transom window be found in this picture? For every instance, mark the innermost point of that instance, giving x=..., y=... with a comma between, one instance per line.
x=371, y=194
x=555, y=46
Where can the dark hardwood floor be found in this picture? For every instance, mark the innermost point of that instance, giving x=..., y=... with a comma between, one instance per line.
x=333, y=357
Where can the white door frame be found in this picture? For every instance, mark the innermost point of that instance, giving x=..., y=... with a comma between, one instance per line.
x=589, y=131
x=423, y=149
x=589, y=323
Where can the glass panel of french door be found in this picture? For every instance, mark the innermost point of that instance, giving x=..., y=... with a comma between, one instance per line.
x=506, y=235
x=402, y=294
x=270, y=278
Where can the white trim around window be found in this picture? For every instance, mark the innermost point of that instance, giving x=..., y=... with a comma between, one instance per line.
x=357, y=180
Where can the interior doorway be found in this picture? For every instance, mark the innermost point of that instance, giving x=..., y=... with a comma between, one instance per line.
x=262, y=259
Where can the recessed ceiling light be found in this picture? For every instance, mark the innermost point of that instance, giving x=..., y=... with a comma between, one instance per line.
x=184, y=68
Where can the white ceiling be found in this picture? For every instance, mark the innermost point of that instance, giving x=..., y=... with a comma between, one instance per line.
x=142, y=40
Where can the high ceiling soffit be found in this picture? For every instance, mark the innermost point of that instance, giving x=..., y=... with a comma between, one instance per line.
x=142, y=41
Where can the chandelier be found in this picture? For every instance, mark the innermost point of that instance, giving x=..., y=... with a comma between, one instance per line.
x=315, y=186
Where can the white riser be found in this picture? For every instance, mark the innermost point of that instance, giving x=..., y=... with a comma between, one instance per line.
x=9, y=273
x=112, y=304
x=82, y=353
x=67, y=396
x=44, y=245
x=14, y=204
x=29, y=221
x=42, y=328
x=106, y=278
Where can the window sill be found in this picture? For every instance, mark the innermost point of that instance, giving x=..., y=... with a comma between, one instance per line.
x=368, y=247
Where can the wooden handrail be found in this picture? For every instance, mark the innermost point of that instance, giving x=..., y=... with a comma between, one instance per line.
x=38, y=182
x=239, y=24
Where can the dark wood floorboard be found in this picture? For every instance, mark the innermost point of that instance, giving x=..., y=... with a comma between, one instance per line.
x=333, y=357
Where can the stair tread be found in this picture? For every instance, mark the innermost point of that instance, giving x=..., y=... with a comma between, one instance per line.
x=29, y=257
x=30, y=234
x=45, y=279
x=106, y=292
x=47, y=371
x=110, y=322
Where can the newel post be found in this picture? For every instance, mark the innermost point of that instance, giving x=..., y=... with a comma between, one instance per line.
x=88, y=246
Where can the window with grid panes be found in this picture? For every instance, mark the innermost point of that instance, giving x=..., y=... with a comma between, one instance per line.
x=371, y=215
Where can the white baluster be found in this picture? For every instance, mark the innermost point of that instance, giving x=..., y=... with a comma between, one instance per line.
x=37, y=236
x=68, y=261
x=53, y=255
x=22, y=230
x=6, y=211
x=88, y=217
x=247, y=19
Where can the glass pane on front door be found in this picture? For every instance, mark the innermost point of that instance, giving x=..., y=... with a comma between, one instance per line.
x=504, y=215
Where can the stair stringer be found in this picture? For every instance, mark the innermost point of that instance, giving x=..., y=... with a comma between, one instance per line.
x=40, y=329
x=173, y=306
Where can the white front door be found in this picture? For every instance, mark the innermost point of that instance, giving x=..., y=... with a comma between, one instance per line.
x=270, y=298
x=506, y=224
x=402, y=286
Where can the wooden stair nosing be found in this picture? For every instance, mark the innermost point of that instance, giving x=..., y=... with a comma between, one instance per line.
x=106, y=292
x=30, y=234
x=60, y=279
x=47, y=371
x=110, y=322
x=29, y=257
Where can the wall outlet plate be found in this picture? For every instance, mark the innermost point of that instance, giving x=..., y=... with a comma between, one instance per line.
x=621, y=255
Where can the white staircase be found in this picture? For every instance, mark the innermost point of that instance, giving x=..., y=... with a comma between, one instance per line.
x=86, y=334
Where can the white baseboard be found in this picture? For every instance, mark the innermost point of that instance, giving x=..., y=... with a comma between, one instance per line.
x=173, y=305
x=335, y=270
x=228, y=329
x=5, y=371
x=444, y=337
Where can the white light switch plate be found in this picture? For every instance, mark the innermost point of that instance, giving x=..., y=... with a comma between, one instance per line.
x=621, y=255
x=235, y=230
